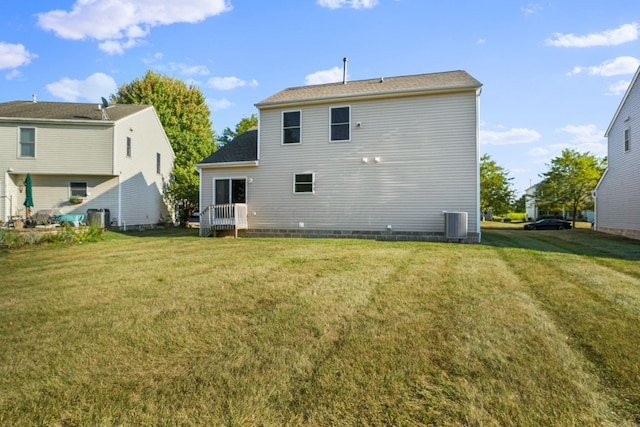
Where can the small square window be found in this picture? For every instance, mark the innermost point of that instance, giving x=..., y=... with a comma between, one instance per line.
x=27, y=143
x=341, y=124
x=627, y=139
x=291, y=127
x=78, y=189
x=303, y=183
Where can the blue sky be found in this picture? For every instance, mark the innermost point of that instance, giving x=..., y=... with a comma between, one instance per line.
x=553, y=72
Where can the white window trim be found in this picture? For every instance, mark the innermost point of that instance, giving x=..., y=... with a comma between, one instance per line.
x=313, y=183
x=128, y=149
x=35, y=145
x=331, y=124
x=626, y=143
x=86, y=188
x=282, y=128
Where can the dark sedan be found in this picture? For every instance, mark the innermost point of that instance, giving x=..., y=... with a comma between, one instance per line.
x=548, y=224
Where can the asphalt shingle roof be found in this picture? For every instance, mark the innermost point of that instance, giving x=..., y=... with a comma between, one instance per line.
x=243, y=148
x=65, y=110
x=450, y=80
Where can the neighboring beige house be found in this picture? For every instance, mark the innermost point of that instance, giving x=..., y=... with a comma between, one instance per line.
x=618, y=192
x=386, y=158
x=116, y=158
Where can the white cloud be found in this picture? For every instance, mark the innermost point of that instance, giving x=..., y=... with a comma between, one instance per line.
x=14, y=55
x=584, y=134
x=228, y=83
x=150, y=59
x=509, y=137
x=481, y=41
x=625, y=33
x=91, y=89
x=619, y=87
x=326, y=76
x=120, y=24
x=354, y=4
x=189, y=70
x=219, y=104
x=531, y=8
x=613, y=67
x=13, y=74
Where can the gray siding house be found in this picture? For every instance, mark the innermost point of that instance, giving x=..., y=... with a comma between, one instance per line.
x=116, y=158
x=618, y=192
x=386, y=158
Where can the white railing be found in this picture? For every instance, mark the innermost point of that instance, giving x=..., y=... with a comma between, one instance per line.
x=231, y=216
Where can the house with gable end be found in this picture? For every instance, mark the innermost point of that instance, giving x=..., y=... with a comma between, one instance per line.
x=386, y=158
x=114, y=157
x=618, y=192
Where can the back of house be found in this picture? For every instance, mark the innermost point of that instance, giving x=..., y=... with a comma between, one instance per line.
x=385, y=158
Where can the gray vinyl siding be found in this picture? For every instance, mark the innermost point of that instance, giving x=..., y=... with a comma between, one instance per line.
x=618, y=195
x=428, y=153
x=60, y=149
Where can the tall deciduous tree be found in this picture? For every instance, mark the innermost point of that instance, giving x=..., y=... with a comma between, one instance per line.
x=570, y=181
x=244, y=125
x=185, y=118
x=496, y=192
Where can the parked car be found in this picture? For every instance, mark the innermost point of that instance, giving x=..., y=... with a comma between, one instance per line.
x=548, y=224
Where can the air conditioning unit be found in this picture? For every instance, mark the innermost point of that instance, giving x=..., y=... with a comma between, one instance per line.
x=456, y=225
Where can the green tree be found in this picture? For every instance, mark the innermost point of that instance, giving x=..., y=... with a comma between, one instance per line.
x=244, y=125
x=570, y=181
x=496, y=192
x=185, y=118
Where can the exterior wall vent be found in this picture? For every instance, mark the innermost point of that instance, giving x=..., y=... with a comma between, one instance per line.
x=456, y=225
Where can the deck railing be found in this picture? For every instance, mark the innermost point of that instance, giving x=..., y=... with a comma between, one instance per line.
x=232, y=216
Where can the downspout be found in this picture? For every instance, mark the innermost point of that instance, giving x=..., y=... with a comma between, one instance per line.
x=117, y=174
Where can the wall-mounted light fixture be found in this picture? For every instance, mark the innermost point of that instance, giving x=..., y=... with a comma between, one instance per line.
x=365, y=160
x=21, y=188
x=377, y=159
x=10, y=170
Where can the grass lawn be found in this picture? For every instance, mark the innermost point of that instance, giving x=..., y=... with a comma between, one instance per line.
x=536, y=328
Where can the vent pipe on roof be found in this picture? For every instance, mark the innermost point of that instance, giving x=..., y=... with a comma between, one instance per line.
x=35, y=98
x=344, y=70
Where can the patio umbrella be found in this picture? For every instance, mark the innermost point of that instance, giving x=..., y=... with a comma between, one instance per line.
x=28, y=202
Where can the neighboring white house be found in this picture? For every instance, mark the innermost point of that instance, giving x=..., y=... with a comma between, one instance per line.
x=116, y=158
x=386, y=158
x=618, y=192
x=531, y=206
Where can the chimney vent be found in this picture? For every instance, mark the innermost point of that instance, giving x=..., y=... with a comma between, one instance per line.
x=344, y=70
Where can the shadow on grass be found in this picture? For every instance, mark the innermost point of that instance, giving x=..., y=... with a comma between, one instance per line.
x=163, y=233
x=578, y=242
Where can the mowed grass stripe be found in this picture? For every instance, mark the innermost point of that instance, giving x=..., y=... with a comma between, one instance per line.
x=598, y=308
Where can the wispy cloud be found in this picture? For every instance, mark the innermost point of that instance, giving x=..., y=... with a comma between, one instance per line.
x=613, y=67
x=91, y=89
x=531, y=8
x=354, y=4
x=14, y=55
x=584, y=134
x=619, y=87
x=122, y=24
x=333, y=75
x=228, y=83
x=623, y=34
x=509, y=137
x=219, y=104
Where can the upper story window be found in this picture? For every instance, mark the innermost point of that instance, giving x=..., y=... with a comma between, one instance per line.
x=158, y=163
x=27, y=143
x=627, y=139
x=340, y=124
x=129, y=146
x=78, y=189
x=291, y=127
x=303, y=183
